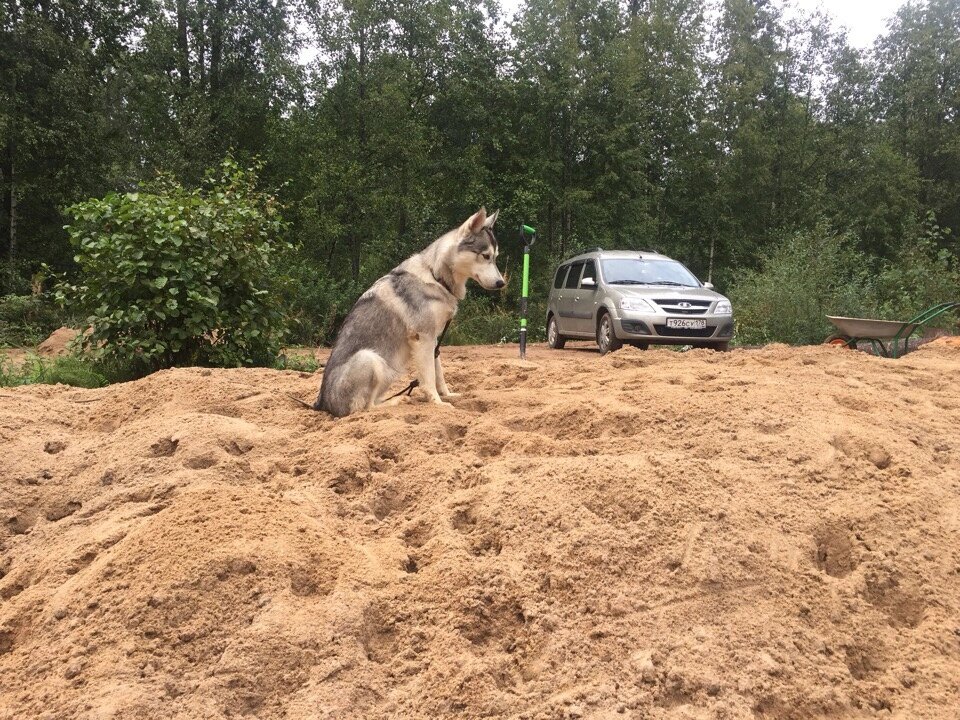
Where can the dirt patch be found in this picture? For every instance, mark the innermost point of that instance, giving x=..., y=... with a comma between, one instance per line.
x=769, y=533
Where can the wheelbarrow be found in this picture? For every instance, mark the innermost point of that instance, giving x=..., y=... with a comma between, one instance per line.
x=888, y=338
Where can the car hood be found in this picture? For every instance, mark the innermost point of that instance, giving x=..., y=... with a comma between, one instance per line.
x=667, y=292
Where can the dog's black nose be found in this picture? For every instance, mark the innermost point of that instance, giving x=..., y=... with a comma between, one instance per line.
x=500, y=283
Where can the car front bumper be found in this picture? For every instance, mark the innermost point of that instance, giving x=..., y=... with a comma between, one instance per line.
x=652, y=328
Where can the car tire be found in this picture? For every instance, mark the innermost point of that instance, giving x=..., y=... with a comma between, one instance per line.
x=641, y=345
x=607, y=339
x=554, y=339
x=722, y=347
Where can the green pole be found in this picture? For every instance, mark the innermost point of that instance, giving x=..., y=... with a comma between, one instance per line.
x=525, y=232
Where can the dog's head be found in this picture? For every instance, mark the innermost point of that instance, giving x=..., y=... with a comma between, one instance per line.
x=477, y=250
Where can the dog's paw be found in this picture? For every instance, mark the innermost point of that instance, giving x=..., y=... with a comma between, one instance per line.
x=451, y=395
x=438, y=401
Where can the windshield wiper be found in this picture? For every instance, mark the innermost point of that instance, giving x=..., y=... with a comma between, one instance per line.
x=670, y=282
x=629, y=282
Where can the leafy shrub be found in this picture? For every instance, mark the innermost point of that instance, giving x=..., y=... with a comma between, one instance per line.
x=317, y=303
x=171, y=276
x=924, y=273
x=14, y=277
x=812, y=274
x=482, y=321
x=28, y=319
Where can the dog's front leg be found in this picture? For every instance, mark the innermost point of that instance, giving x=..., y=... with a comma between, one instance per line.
x=441, y=383
x=427, y=369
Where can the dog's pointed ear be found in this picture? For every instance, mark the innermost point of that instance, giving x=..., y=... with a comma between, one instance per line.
x=491, y=219
x=476, y=221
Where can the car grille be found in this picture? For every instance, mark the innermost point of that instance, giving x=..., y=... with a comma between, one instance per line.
x=672, y=306
x=684, y=332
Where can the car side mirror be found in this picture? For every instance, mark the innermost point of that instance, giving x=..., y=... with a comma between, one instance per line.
x=708, y=286
x=588, y=282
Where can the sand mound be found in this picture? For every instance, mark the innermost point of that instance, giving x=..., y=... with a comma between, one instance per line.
x=58, y=342
x=949, y=341
x=758, y=534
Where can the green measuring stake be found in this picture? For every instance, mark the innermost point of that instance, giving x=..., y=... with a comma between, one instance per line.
x=528, y=236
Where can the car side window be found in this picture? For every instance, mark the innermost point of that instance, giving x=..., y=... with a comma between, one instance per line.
x=561, y=274
x=589, y=271
x=574, y=277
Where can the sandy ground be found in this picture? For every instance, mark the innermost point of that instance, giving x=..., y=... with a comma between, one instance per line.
x=759, y=534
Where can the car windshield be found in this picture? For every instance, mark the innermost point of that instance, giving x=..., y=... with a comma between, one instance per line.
x=634, y=271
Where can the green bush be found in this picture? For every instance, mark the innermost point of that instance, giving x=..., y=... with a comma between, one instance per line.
x=812, y=274
x=480, y=320
x=28, y=319
x=924, y=273
x=317, y=303
x=171, y=276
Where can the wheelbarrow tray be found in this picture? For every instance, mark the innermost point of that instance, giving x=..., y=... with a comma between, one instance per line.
x=875, y=329
x=885, y=336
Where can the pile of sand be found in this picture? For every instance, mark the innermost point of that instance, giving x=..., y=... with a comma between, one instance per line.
x=59, y=342
x=771, y=533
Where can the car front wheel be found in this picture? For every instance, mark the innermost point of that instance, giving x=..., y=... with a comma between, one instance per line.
x=607, y=340
x=554, y=339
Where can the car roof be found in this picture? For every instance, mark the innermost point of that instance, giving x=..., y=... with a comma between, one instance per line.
x=613, y=254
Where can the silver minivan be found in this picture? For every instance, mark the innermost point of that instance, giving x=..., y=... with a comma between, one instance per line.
x=641, y=298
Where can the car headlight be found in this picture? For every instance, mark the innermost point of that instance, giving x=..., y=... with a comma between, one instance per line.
x=723, y=308
x=637, y=304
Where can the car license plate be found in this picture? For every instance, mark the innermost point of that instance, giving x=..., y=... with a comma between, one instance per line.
x=686, y=323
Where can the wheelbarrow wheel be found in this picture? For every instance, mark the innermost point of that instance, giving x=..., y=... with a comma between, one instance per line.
x=840, y=340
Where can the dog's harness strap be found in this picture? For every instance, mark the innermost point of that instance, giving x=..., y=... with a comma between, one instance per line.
x=408, y=389
x=436, y=352
x=443, y=284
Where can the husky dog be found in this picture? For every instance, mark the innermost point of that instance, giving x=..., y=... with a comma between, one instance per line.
x=401, y=316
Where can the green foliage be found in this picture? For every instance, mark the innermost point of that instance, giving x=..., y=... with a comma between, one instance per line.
x=924, y=273
x=73, y=370
x=316, y=302
x=482, y=321
x=171, y=276
x=808, y=276
x=28, y=319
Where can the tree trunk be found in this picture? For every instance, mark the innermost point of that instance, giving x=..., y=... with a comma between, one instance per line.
x=10, y=180
x=200, y=29
x=713, y=246
x=355, y=246
x=550, y=238
x=183, y=46
x=216, y=44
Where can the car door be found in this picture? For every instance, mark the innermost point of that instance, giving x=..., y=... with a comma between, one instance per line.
x=556, y=294
x=585, y=297
x=565, y=306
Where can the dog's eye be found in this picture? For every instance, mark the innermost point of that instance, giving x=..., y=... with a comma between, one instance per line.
x=486, y=256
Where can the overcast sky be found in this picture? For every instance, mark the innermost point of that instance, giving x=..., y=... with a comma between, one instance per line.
x=865, y=19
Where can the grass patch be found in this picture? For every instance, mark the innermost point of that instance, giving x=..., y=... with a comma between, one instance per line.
x=297, y=361
x=65, y=370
